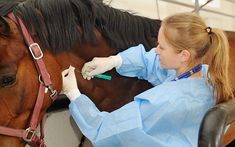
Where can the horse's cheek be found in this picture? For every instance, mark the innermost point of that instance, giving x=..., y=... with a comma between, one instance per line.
x=5, y=114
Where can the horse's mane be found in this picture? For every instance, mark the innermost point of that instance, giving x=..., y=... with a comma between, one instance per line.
x=54, y=23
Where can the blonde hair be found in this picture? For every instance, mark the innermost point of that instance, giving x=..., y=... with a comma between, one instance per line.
x=188, y=31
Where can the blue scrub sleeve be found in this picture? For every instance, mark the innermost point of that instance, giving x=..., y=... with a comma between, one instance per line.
x=97, y=125
x=136, y=62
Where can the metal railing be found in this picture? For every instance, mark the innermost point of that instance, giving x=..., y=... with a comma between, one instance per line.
x=200, y=7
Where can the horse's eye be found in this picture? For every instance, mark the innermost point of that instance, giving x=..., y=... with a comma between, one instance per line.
x=7, y=80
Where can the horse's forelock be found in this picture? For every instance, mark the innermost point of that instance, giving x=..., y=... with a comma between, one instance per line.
x=54, y=23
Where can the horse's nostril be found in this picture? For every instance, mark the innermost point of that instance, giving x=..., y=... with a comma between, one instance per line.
x=7, y=80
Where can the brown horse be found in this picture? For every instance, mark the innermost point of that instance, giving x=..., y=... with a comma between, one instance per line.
x=70, y=32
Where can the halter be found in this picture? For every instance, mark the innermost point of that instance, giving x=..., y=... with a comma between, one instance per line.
x=29, y=135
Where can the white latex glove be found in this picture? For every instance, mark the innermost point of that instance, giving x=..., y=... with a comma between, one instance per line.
x=70, y=88
x=99, y=65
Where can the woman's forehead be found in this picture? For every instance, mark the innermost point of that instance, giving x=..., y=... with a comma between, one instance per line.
x=161, y=37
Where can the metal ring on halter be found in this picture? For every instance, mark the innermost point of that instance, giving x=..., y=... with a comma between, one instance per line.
x=40, y=79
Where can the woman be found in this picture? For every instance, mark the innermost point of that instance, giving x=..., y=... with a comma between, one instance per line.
x=170, y=113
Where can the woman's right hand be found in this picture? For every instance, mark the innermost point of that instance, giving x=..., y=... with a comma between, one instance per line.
x=99, y=65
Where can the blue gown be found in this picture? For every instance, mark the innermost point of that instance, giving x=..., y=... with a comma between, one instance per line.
x=166, y=115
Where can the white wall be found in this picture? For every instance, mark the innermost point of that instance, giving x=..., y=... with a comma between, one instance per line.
x=214, y=13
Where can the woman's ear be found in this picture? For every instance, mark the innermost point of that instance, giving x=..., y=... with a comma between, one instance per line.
x=185, y=55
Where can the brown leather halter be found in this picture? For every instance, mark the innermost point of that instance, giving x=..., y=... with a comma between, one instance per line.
x=29, y=135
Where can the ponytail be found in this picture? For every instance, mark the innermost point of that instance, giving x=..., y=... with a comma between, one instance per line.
x=218, y=73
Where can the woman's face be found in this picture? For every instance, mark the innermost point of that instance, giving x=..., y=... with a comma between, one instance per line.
x=169, y=58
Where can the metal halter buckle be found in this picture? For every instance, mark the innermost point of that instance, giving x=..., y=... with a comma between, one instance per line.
x=52, y=91
x=31, y=51
x=28, y=137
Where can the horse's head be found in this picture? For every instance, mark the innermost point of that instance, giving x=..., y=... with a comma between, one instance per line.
x=19, y=82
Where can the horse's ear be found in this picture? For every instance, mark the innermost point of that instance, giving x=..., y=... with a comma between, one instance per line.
x=4, y=26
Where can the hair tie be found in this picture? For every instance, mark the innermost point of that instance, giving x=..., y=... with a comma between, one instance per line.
x=209, y=30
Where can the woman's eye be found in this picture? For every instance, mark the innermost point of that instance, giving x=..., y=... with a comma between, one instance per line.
x=7, y=80
x=160, y=47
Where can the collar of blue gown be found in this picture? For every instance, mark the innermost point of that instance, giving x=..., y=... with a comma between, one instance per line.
x=189, y=73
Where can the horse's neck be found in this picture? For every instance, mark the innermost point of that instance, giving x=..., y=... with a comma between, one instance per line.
x=107, y=95
x=85, y=52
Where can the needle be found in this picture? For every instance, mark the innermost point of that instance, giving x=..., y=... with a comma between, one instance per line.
x=102, y=76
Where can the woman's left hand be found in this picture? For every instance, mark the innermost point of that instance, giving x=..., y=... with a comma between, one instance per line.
x=70, y=88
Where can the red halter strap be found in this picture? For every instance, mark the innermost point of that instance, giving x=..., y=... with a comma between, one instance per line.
x=29, y=134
